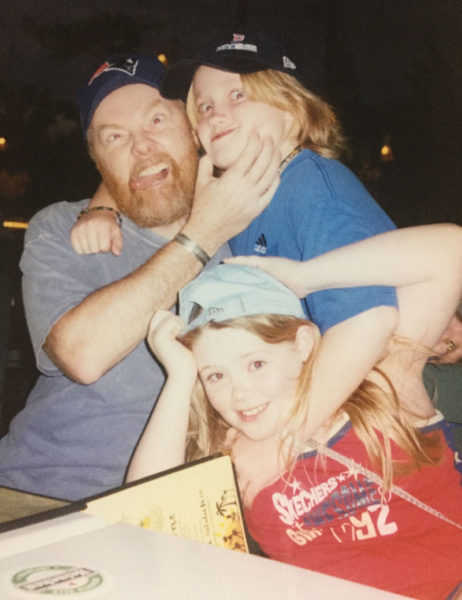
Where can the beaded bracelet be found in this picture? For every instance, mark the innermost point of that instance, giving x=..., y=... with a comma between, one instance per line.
x=192, y=247
x=87, y=211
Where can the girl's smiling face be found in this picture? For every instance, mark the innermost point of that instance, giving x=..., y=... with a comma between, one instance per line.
x=226, y=117
x=249, y=382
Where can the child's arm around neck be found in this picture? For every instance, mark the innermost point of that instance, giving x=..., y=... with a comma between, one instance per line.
x=424, y=263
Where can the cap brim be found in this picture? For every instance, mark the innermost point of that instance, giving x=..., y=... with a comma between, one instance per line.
x=178, y=78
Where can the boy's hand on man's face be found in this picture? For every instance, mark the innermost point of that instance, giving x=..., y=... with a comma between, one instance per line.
x=224, y=206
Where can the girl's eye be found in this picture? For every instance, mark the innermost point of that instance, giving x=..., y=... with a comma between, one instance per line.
x=215, y=377
x=237, y=95
x=257, y=365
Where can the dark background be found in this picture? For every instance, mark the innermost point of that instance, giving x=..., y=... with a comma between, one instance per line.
x=391, y=68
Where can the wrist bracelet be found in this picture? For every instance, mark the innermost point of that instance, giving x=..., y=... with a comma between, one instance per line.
x=87, y=211
x=192, y=247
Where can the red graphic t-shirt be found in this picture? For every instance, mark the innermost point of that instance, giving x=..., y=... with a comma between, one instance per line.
x=329, y=517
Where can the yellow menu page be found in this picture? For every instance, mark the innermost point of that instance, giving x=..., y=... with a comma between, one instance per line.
x=198, y=501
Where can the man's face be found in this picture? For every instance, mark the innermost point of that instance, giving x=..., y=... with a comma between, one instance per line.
x=143, y=147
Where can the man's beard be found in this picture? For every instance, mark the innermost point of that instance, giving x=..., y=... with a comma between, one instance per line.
x=155, y=206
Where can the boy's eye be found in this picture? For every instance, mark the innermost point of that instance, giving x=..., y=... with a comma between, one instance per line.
x=238, y=95
x=204, y=108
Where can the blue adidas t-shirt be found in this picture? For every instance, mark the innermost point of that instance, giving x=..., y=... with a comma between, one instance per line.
x=319, y=205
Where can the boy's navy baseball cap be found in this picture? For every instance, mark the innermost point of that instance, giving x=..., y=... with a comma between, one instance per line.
x=231, y=291
x=237, y=52
x=115, y=73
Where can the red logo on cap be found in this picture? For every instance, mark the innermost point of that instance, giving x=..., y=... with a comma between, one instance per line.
x=98, y=72
x=238, y=37
x=126, y=65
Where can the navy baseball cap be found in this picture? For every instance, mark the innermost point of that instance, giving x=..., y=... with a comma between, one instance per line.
x=115, y=73
x=237, y=52
x=231, y=291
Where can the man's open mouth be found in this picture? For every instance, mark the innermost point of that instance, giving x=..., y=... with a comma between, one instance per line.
x=151, y=176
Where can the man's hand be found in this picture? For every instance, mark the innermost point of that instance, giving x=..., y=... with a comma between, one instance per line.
x=224, y=206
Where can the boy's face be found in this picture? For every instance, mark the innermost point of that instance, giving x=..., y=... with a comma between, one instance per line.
x=226, y=117
x=249, y=382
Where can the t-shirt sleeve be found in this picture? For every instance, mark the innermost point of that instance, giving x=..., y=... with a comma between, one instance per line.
x=334, y=221
x=54, y=278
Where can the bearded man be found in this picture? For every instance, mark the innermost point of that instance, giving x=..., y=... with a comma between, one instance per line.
x=88, y=316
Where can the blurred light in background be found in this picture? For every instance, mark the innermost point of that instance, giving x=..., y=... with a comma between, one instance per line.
x=14, y=225
x=386, y=152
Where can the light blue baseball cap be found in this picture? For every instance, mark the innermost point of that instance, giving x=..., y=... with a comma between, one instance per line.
x=231, y=291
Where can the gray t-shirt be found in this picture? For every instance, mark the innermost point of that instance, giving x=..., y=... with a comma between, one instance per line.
x=72, y=441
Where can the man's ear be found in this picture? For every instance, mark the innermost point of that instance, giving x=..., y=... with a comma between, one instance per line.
x=304, y=341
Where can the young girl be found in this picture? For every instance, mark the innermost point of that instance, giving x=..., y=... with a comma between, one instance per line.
x=373, y=495
x=246, y=82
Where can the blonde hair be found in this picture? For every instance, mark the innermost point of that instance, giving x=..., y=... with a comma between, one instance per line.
x=378, y=419
x=372, y=408
x=315, y=124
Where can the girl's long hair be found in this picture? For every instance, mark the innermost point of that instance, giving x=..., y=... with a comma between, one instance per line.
x=315, y=124
x=375, y=411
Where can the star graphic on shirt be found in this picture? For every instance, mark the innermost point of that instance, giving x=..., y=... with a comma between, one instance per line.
x=295, y=485
x=341, y=477
x=354, y=470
